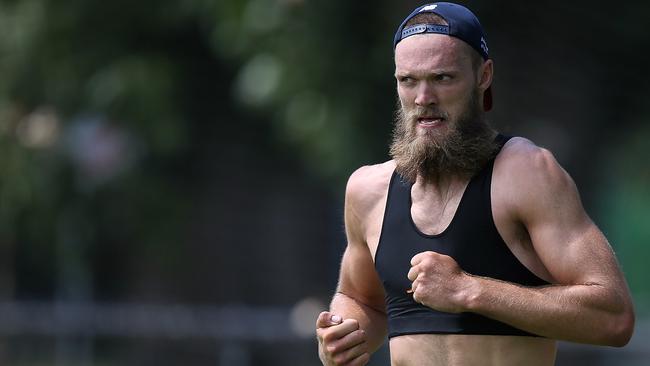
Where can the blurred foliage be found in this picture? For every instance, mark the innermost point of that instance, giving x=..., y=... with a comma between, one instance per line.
x=300, y=73
x=101, y=102
x=108, y=109
x=150, y=150
x=91, y=126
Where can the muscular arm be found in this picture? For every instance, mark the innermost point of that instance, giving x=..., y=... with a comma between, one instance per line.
x=360, y=294
x=350, y=303
x=589, y=300
x=359, y=298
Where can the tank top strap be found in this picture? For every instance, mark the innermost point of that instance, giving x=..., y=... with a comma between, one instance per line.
x=399, y=197
x=477, y=198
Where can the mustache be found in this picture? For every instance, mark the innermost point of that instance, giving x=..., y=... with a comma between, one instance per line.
x=421, y=112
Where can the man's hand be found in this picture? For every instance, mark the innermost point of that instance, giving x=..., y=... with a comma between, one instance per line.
x=341, y=342
x=438, y=282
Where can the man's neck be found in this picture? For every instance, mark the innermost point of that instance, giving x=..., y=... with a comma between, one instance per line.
x=438, y=187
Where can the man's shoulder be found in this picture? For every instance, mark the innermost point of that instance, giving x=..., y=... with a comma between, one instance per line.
x=524, y=172
x=374, y=174
x=369, y=183
x=520, y=155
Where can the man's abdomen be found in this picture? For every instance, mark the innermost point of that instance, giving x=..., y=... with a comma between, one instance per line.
x=469, y=350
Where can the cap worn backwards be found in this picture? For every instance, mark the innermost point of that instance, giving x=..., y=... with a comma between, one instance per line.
x=461, y=23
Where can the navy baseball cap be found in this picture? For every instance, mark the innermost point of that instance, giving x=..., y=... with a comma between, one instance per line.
x=462, y=24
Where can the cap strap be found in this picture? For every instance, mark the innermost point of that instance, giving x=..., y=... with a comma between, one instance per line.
x=424, y=28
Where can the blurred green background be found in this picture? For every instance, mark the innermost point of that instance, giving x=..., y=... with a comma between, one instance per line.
x=172, y=172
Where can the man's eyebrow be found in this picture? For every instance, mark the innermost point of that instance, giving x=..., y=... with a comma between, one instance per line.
x=427, y=74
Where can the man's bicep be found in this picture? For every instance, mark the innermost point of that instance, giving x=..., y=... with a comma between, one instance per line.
x=358, y=278
x=571, y=247
x=575, y=254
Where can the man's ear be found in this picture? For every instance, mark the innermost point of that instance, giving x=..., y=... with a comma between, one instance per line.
x=486, y=71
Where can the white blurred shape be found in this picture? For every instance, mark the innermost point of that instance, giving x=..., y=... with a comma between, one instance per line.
x=258, y=80
x=303, y=316
x=39, y=129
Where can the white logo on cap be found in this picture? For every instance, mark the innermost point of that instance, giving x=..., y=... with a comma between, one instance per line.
x=484, y=45
x=428, y=7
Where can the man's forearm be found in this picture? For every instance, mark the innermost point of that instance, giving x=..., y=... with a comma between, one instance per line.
x=372, y=321
x=577, y=313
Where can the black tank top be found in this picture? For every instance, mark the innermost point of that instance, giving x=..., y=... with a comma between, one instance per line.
x=471, y=239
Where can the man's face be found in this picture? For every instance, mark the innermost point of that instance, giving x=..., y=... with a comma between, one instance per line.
x=440, y=128
x=435, y=82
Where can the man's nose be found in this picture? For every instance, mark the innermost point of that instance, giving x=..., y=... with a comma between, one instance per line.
x=426, y=95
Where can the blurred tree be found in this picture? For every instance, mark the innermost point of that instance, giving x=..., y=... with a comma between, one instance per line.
x=94, y=137
x=197, y=150
x=106, y=108
x=116, y=118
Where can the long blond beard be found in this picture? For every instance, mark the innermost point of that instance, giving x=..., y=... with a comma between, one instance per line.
x=462, y=150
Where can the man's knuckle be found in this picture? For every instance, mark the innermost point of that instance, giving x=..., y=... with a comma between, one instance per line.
x=416, y=296
x=328, y=337
x=322, y=318
x=353, y=337
x=340, y=359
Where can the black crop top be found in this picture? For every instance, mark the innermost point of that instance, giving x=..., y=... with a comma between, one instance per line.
x=471, y=239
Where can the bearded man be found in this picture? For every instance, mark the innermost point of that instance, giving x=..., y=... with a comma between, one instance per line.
x=468, y=247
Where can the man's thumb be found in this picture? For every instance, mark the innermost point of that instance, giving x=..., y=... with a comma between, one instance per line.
x=327, y=319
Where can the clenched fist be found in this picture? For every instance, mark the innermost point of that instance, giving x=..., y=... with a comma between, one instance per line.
x=341, y=342
x=438, y=282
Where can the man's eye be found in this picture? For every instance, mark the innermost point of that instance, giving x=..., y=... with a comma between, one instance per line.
x=405, y=79
x=443, y=77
